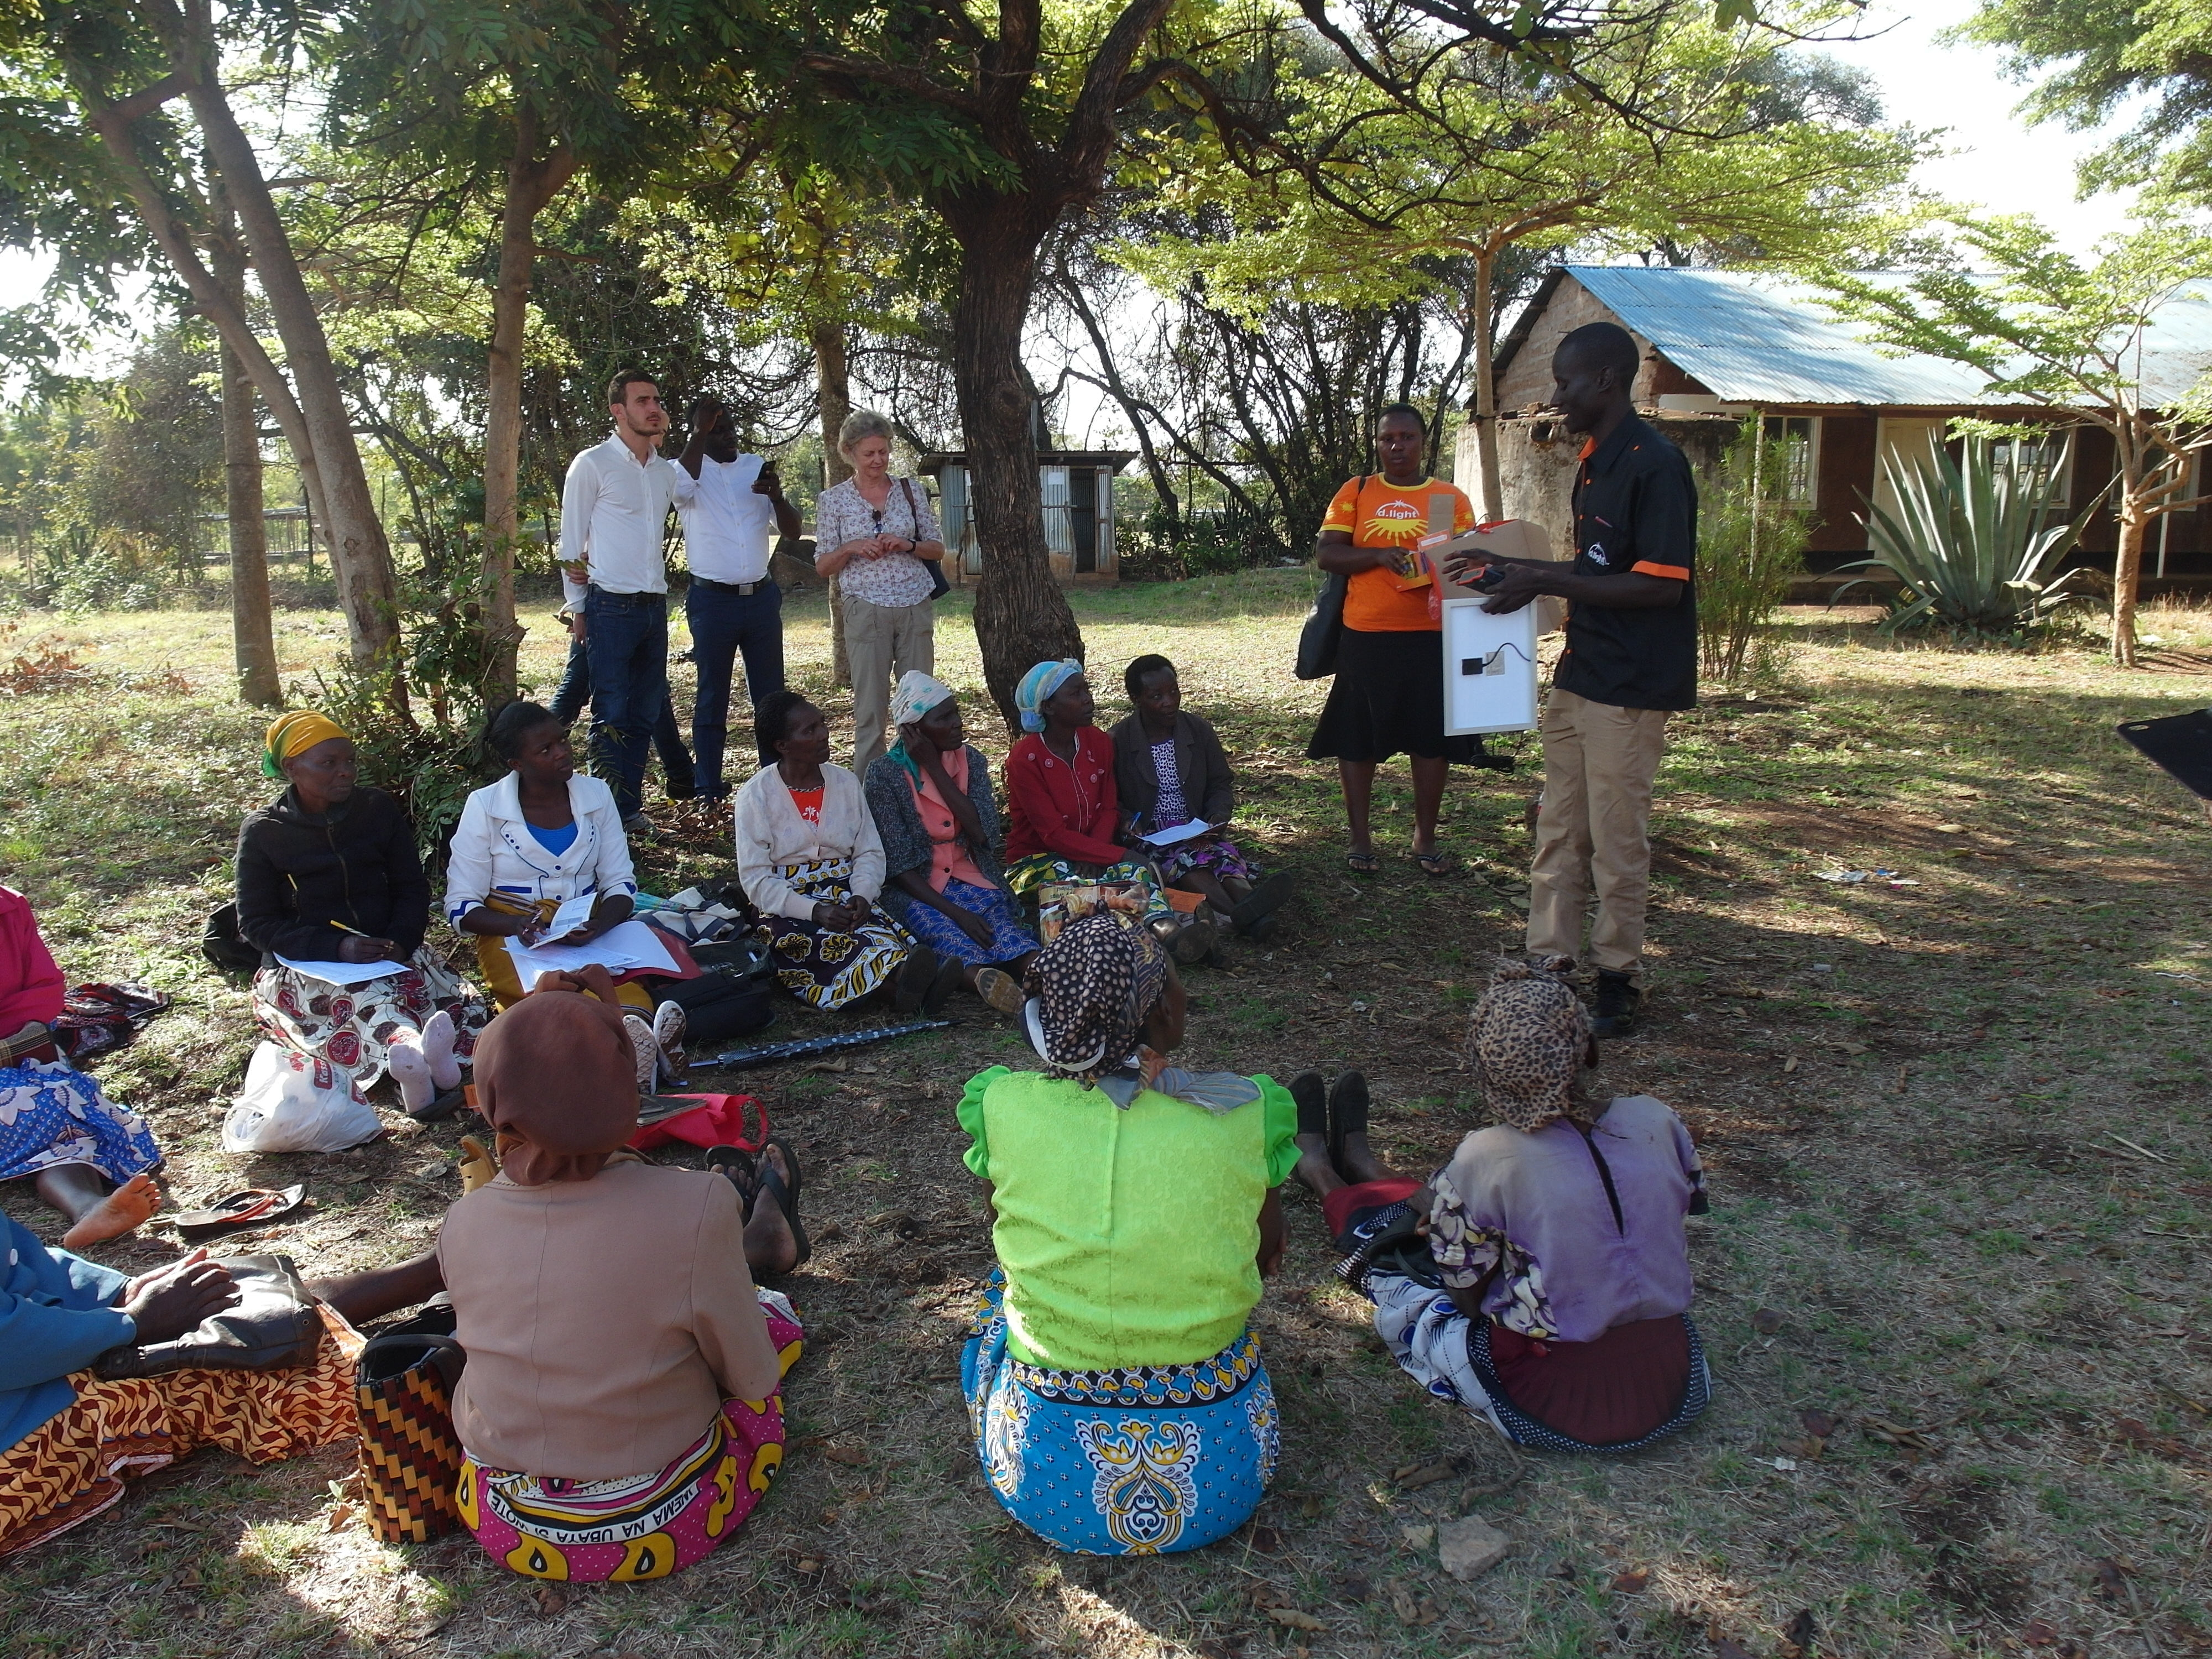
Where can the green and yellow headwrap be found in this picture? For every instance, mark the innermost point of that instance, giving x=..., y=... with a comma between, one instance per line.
x=295, y=734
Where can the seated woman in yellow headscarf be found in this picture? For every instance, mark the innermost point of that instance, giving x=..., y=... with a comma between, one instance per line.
x=328, y=872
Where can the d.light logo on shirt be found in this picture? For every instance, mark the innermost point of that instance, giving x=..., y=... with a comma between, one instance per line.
x=1596, y=555
x=1394, y=524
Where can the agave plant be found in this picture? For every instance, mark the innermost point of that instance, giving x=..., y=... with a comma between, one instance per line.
x=1975, y=545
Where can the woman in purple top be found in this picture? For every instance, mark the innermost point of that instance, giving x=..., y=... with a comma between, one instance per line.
x=1559, y=1304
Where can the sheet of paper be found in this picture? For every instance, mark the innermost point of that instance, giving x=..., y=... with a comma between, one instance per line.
x=345, y=973
x=572, y=915
x=633, y=944
x=1180, y=832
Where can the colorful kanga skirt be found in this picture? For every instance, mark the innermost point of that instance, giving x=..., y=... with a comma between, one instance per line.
x=353, y=1026
x=1042, y=870
x=1222, y=859
x=1145, y=1460
x=1010, y=940
x=822, y=967
x=72, y=1466
x=52, y=1115
x=641, y=1526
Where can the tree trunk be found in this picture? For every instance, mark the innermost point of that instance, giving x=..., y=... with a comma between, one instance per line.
x=531, y=183
x=833, y=387
x=2127, y=569
x=1486, y=387
x=252, y=631
x=360, y=557
x=1022, y=617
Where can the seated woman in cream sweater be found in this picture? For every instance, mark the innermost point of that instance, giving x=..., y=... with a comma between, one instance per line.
x=812, y=863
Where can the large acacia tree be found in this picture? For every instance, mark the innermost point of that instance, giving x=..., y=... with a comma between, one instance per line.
x=1000, y=125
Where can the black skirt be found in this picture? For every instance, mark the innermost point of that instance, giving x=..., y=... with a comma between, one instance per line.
x=1389, y=699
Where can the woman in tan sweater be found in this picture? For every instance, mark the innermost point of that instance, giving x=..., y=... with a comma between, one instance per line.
x=620, y=1410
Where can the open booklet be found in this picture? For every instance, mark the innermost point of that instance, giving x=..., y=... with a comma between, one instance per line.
x=632, y=944
x=1180, y=832
x=343, y=973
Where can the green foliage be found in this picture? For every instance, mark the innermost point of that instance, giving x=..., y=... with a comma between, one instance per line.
x=2152, y=61
x=1976, y=546
x=418, y=720
x=1749, y=547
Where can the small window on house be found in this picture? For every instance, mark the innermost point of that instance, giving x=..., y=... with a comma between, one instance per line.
x=2050, y=454
x=1797, y=437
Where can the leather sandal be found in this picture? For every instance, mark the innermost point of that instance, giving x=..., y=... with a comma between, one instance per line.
x=787, y=1199
x=255, y=1206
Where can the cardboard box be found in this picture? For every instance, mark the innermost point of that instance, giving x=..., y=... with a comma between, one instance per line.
x=1508, y=538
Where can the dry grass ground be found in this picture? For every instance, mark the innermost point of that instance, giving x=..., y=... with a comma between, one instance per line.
x=1963, y=1199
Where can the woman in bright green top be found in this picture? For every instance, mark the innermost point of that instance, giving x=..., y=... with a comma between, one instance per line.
x=1116, y=1391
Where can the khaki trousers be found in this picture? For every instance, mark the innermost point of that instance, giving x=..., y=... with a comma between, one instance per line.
x=1594, y=826
x=882, y=642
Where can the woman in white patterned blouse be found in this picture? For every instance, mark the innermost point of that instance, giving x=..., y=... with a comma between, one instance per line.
x=874, y=532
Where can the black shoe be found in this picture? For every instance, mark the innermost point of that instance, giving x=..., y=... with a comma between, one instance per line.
x=1264, y=900
x=1263, y=928
x=1348, y=1115
x=949, y=979
x=1311, y=1095
x=1494, y=763
x=1614, y=1014
x=912, y=984
x=685, y=791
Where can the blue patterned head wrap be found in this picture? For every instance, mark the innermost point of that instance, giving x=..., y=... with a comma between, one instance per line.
x=1039, y=683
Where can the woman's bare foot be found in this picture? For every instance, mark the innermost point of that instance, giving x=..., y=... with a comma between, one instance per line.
x=126, y=1210
x=771, y=1249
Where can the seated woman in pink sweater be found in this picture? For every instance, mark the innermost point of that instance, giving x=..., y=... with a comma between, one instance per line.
x=89, y=1158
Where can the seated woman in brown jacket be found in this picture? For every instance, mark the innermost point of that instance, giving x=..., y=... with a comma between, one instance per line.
x=620, y=1410
x=1170, y=769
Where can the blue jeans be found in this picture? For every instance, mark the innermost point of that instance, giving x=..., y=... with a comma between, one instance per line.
x=628, y=649
x=667, y=737
x=724, y=622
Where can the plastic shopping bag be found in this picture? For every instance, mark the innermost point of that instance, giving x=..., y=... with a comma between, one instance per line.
x=293, y=1103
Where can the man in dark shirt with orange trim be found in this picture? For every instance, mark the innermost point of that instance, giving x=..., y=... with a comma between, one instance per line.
x=1631, y=658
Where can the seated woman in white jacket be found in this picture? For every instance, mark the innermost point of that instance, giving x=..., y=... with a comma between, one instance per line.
x=811, y=863
x=541, y=835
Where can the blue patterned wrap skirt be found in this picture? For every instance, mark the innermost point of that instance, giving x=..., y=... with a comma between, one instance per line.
x=1010, y=940
x=51, y=1115
x=1145, y=1460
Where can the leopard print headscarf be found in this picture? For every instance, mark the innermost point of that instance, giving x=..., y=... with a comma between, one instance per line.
x=1093, y=986
x=1526, y=1040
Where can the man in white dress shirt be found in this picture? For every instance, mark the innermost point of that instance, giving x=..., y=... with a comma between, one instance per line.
x=614, y=509
x=726, y=500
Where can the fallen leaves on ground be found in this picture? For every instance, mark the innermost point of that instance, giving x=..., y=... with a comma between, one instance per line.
x=1766, y=1321
x=1294, y=1620
x=1631, y=1581
x=1898, y=1435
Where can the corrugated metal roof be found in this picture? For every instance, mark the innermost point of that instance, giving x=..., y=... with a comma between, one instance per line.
x=1759, y=338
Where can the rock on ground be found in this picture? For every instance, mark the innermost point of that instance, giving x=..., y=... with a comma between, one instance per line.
x=1470, y=1547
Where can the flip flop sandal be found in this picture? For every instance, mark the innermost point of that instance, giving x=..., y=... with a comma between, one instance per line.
x=787, y=1199
x=1364, y=864
x=744, y=1174
x=475, y=1165
x=443, y=1106
x=1435, y=864
x=255, y=1206
x=1001, y=990
x=1268, y=896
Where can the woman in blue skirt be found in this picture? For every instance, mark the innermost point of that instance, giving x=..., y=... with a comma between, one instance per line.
x=938, y=818
x=1114, y=1385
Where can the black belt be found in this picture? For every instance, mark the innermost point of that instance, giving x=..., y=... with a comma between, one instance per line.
x=744, y=590
x=608, y=597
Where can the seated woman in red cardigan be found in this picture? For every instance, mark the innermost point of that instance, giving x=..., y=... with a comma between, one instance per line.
x=1063, y=816
x=1541, y=1277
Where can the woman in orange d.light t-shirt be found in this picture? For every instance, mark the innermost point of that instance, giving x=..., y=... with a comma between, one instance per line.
x=1389, y=690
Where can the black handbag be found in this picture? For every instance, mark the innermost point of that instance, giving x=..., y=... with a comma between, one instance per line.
x=717, y=1005
x=1324, y=627
x=224, y=947
x=1401, y=1249
x=275, y=1325
x=938, y=587
x=1323, y=631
